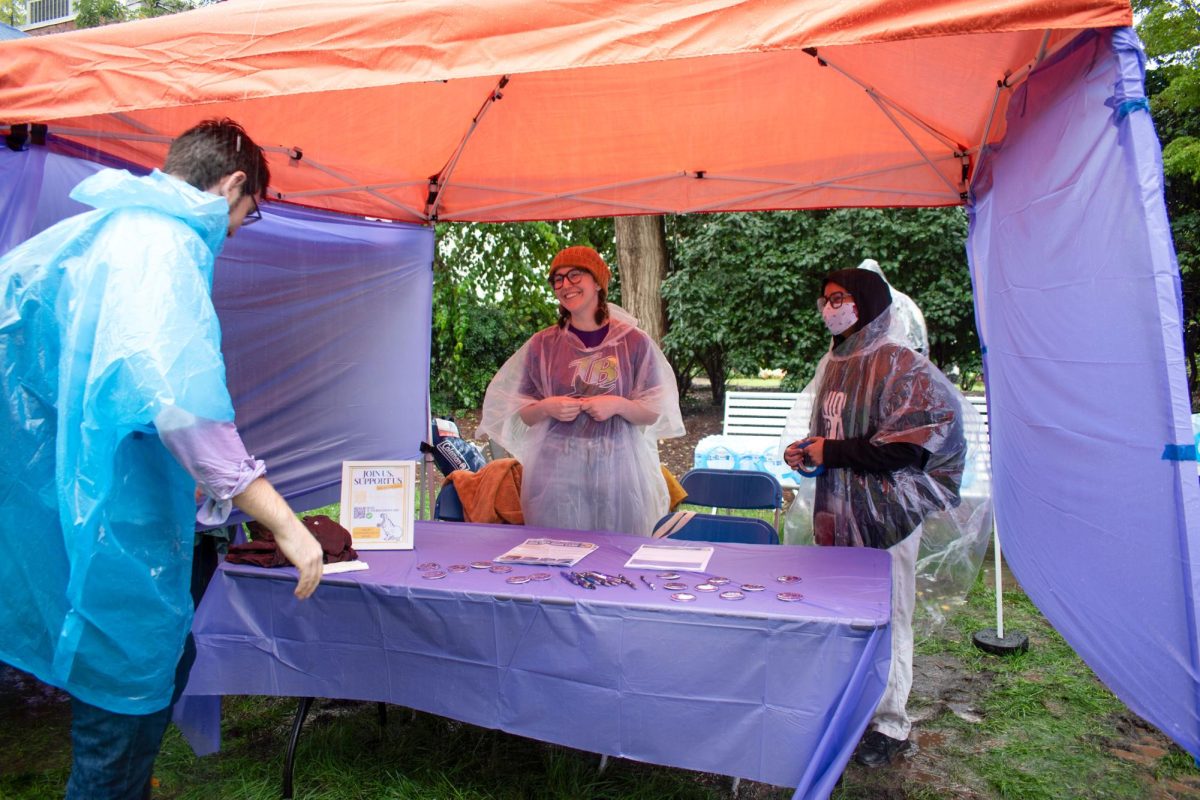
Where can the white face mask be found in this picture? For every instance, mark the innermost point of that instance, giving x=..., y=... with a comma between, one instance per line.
x=839, y=319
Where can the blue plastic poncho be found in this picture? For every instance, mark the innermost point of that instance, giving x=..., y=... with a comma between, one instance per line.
x=106, y=321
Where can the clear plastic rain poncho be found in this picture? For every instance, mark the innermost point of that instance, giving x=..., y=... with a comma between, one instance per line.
x=106, y=321
x=908, y=323
x=872, y=386
x=584, y=474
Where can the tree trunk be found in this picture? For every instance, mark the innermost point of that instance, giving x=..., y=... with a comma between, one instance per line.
x=715, y=366
x=642, y=260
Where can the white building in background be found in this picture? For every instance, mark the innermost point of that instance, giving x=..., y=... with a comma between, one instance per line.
x=48, y=16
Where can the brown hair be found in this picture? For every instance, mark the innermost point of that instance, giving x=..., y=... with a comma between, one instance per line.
x=206, y=153
x=564, y=316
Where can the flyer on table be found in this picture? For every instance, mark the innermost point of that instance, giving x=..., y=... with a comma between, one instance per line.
x=377, y=503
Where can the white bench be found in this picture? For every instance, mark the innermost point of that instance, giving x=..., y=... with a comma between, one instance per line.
x=978, y=475
x=754, y=422
x=757, y=413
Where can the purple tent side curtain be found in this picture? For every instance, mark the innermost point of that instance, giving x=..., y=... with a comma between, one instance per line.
x=20, y=187
x=1079, y=309
x=325, y=325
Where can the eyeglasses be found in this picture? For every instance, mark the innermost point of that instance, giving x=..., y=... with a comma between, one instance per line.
x=835, y=300
x=573, y=277
x=254, y=216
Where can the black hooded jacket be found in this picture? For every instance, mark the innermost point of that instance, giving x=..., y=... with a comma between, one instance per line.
x=871, y=298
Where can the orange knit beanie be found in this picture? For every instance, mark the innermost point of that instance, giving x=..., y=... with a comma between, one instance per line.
x=584, y=258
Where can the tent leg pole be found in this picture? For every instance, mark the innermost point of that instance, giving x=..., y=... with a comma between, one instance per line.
x=999, y=585
x=993, y=640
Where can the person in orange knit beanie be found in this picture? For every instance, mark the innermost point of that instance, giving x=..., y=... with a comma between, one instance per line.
x=582, y=405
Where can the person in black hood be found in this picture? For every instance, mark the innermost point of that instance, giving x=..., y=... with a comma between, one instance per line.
x=887, y=429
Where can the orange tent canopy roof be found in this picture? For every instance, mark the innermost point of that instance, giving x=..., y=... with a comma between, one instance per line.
x=539, y=109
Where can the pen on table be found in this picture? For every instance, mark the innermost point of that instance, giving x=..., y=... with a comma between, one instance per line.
x=648, y=583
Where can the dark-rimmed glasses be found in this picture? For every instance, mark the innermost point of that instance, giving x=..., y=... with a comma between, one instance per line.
x=834, y=300
x=254, y=216
x=573, y=277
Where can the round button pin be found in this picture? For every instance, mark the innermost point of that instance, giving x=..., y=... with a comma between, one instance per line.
x=669, y=576
x=481, y=565
x=788, y=579
x=675, y=587
x=459, y=568
x=428, y=565
x=732, y=595
x=518, y=579
x=718, y=581
x=790, y=597
x=437, y=574
x=499, y=569
x=752, y=587
x=683, y=597
x=705, y=587
x=540, y=576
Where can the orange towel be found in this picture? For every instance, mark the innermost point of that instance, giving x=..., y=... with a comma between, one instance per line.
x=493, y=494
x=674, y=489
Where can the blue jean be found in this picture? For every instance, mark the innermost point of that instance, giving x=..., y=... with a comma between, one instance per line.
x=113, y=754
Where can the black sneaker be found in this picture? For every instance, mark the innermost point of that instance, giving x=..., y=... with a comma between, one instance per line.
x=877, y=750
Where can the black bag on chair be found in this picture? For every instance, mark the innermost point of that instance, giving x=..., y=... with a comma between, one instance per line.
x=450, y=451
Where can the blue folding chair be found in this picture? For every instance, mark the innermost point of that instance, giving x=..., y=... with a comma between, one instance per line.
x=732, y=488
x=448, y=506
x=721, y=528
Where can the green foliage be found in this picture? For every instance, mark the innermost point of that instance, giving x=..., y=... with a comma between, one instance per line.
x=94, y=13
x=742, y=289
x=1170, y=31
x=162, y=8
x=12, y=12
x=1181, y=156
x=490, y=294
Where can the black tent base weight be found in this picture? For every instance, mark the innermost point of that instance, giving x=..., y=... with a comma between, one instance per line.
x=1008, y=644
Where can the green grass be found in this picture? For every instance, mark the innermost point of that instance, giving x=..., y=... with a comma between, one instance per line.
x=344, y=755
x=1046, y=726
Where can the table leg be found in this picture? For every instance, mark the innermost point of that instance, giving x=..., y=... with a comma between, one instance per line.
x=290, y=760
x=382, y=719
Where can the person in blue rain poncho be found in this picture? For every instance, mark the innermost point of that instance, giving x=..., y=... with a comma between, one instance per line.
x=890, y=433
x=582, y=406
x=115, y=409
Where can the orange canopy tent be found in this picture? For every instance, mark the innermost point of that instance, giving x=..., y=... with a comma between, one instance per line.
x=497, y=110
x=526, y=109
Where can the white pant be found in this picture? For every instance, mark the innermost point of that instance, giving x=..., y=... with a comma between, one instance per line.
x=891, y=715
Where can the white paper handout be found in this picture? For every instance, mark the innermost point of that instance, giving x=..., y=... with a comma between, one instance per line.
x=343, y=566
x=688, y=558
x=547, y=553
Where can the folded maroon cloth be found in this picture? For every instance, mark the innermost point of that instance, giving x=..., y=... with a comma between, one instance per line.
x=263, y=551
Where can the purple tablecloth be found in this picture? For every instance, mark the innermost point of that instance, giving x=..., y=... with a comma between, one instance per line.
x=758, y=688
